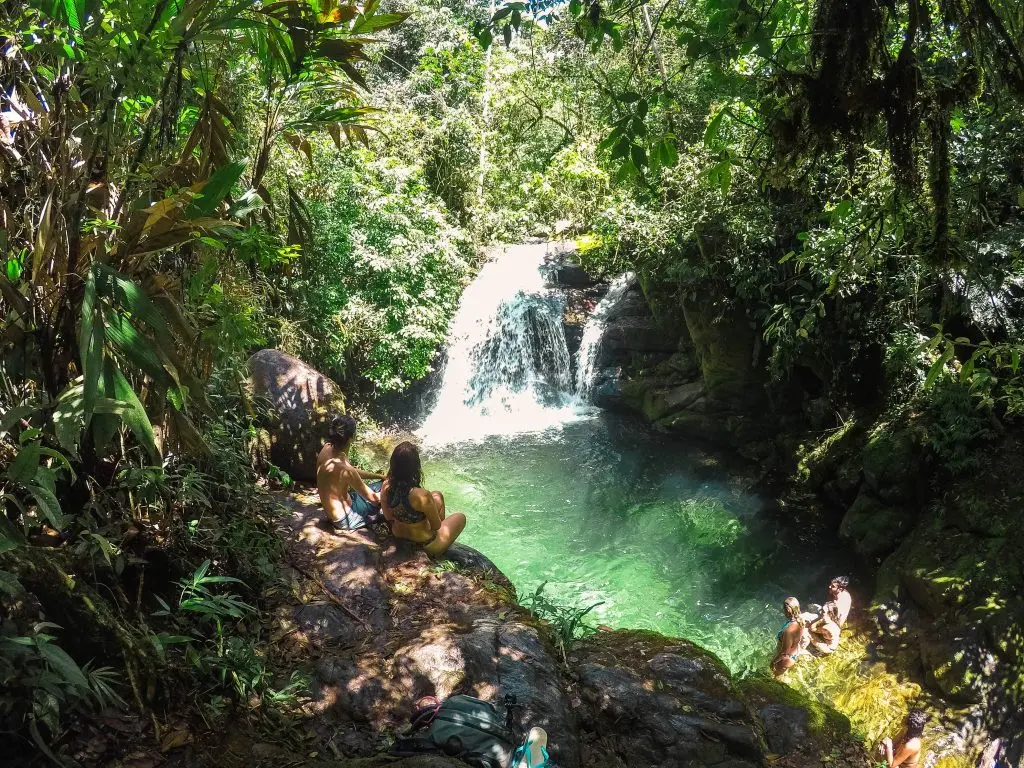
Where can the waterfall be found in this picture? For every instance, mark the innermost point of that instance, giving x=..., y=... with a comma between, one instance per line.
x=508, y=364
x=593, y=332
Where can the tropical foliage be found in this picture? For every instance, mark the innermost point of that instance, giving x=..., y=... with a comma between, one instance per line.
x=185, y=182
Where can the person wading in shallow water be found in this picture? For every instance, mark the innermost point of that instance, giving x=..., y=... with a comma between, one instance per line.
x=415, y=513
x=793, y=638
x=906, y=750
x=337, y=480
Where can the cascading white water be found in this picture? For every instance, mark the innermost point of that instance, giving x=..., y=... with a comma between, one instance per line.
x=508, y=362
x=593, y=333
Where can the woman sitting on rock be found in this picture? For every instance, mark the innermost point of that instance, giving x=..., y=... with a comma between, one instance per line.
x=415, y=513
x=793, y=638
x=825, y=630
x=341, y=485
x=906, y=751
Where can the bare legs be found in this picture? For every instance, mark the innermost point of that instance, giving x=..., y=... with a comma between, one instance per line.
x=451, y=526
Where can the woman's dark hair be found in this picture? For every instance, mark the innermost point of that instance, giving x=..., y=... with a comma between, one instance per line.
x=916, y=722
x=404, y=473
x=341, y=430
x=840, y=581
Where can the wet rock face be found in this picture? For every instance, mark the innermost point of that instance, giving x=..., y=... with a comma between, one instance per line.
x=651, y=701
x=304, y=400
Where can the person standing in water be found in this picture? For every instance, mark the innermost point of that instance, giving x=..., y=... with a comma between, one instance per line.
x=337, y=480
x=793, y=638
x=415, y=513
x=906, y=750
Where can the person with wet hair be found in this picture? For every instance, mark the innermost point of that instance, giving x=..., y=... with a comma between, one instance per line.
x=792, y=639
x=906, y=750
x=415, y=513
x=840, y=595
x=342, y=485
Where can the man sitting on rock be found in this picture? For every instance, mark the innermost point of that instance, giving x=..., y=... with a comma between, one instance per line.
x=341, y=485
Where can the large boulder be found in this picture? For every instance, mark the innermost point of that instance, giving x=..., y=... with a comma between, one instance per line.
x=874, y=527
x=303, y=399
x=656, y=702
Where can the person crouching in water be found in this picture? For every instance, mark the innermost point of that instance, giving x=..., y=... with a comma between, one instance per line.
x=337, y=480
x=839, y=594
x=793, y=638
x=825, y=630
x=415, y=513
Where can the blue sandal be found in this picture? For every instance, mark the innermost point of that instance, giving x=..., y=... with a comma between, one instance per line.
x=524, y=753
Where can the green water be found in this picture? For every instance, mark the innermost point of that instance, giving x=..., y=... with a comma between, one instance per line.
x=662, y=533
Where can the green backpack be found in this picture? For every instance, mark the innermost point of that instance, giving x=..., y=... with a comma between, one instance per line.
x=463, y=727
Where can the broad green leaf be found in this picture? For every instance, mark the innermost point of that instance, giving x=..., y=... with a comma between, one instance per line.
x=216, y=188
x=9, y=584
x=711, y=132
x=134, y=416
x=48, y=505
x=638, y=155
x=938, y=366
x=378, y=22
x=138, y=350
x=90, y=344
x=25, y=465
x=11, y=536
x=16, y=414
x=63, y=664
x=69, y=417
x=670, y=156
x=486, y=37
x=73, y=11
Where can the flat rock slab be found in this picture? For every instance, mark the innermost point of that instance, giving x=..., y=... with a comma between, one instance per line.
x=387, y=625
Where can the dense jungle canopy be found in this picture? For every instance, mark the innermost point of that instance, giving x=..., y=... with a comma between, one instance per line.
x=183, y=182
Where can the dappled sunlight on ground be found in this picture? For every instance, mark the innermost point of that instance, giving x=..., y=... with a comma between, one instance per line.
x=874, y=696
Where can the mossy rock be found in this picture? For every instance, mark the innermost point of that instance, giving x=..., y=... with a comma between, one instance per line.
x=824, y=723
x=873, y=527
x=893, y=465
x=725, y=340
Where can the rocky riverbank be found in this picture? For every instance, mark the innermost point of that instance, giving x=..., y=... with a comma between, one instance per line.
x=928, y=498
x=376, y=625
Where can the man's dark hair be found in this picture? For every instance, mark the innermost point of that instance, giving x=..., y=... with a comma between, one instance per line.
x=840, y=581
x=916, y=722
x=341, y=430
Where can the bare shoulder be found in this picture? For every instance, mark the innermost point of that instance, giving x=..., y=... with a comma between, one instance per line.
x=419, y=498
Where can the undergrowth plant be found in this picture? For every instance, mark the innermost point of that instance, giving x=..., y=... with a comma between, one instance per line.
x=567, y=622
x=216, y=633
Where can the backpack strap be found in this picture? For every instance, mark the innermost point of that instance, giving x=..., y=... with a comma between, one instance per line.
x=410, y=746
x=426, y=710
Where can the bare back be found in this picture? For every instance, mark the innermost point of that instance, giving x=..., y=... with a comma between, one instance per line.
x=421, y=501
x=335, y=478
